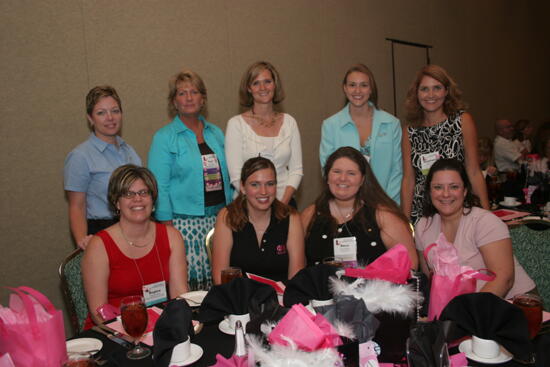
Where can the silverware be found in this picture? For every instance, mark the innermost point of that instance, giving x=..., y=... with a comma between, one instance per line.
x=123, y=342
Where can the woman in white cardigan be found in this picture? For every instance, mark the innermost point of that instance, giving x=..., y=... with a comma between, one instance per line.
x=263, y=131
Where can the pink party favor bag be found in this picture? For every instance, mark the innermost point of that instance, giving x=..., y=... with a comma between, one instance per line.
x=32, y=331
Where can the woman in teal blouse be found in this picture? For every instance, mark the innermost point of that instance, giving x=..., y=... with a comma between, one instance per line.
x=188, y=160
x=361, y=125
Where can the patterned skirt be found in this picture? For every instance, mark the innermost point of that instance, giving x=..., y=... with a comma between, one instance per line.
x=194, y=230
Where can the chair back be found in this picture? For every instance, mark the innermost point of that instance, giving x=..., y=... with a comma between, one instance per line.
x=531, y=243
x=209, y=242
x=73, y=289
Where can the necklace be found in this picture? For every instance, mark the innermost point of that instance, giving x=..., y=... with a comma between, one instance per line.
x=132, y=243
x=342, y=216
x=263, y=121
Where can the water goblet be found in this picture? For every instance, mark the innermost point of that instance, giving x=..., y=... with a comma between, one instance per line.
x=134, y=320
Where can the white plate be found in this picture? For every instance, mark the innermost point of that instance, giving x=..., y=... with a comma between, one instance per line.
x=83, y=345
x=517, y=203
x=196, y=353
x=466, y=348
x=194, y=298
x=225, y=328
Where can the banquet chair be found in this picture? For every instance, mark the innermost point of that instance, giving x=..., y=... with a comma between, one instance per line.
x=209, y=243
x=531, y=243
x=73, y=289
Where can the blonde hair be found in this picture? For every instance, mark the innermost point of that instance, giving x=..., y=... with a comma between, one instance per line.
x=184, y=76
x=245, y=97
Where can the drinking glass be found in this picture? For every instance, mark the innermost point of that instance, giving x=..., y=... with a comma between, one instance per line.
x=334, y=261
x=228, y=274
x=531, y=305
x=134, y=320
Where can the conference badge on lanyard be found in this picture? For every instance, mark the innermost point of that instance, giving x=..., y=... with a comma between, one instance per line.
x=155, y=293
x=345, y=248
x=427, y=160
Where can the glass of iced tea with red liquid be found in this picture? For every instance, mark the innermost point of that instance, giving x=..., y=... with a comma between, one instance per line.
x=531, y=305
x=134, y=320
x=228, y=274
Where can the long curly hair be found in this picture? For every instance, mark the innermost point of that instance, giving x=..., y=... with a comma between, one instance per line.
x=448, y=164
x=453, y=101
x=370, y=192
x=237, y=211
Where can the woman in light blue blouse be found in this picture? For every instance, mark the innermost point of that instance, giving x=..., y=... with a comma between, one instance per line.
x=361, y=125
x=187, y=158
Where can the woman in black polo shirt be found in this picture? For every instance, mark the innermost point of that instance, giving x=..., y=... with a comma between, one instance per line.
x=257, y=232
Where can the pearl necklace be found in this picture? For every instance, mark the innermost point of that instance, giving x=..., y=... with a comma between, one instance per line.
x=132, y=243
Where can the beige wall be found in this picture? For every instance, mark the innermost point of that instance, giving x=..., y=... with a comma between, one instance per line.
x=54, y=51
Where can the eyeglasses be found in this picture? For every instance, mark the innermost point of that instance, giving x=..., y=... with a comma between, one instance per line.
x=132, y=194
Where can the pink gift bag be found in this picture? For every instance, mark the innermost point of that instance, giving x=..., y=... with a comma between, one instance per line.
x=449, y=278
x=32, y=331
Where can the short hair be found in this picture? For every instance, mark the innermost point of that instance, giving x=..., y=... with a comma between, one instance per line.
x=184, y=76
x=453, y=101
x=237, y=211
x=362, y=68
x=101, y=91
x=370, y=194
x=447, y=164
x=123, y=177
x=245, y=97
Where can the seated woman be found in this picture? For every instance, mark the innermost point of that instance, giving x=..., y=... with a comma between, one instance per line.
x=135, y=254
x=257, y=232
x=481, y=239
x=353, y=208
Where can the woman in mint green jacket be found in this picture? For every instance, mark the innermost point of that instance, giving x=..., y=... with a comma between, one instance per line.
x=361, y=125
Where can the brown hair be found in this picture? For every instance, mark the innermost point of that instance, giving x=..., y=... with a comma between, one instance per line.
x=101, y=91
x=362, y=68
x=123, y=177
x=453, y=101
x=184, y=76
x=237, y=211
x=245, y=97
x=370, y=192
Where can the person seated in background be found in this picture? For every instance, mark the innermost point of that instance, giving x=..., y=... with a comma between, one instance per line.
x=257, y=232
x=508, y=153
x=481, y=239
x=485, y=156
x=523, y=131
x=353, y=217
x=136, y=255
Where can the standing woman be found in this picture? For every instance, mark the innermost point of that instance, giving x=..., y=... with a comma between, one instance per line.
x=361, y=125
x=263, y=131
x=187, y=158
x=89, y=166
x=437, y=127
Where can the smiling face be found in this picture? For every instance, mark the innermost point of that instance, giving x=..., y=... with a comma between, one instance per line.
x=140, y=206
x=260, y=189
x=106, y=119
x=262, y=87
x=357, y=88
x=431, y=94
x=447, y=193
x=344, y=179
x=188, y=100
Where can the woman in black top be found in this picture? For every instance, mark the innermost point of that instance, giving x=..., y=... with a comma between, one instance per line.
x=353, y=219
x=257, y=232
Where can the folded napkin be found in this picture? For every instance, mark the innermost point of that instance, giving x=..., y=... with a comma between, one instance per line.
x=237, y=297
x=350, y=312
x=309, y=283
x=394, y=266
x=233, y=361
x=173, y=327
x=490, y=317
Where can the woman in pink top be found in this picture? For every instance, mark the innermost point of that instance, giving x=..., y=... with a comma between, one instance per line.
x=481, y=239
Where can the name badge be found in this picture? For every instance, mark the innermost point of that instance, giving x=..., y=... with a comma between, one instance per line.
x=345, y=248
x=427, y=160
x=154, y=293
x=209, y=161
